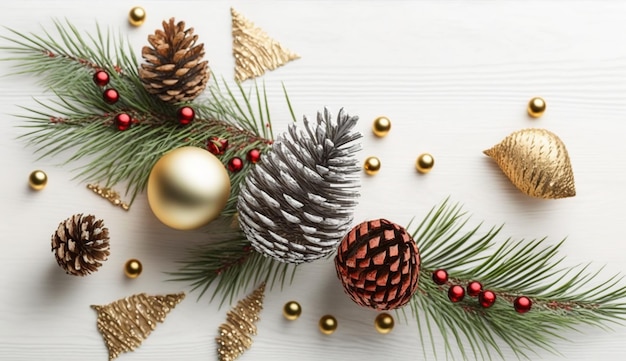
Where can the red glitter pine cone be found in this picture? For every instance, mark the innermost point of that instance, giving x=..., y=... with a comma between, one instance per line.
x=378, y=264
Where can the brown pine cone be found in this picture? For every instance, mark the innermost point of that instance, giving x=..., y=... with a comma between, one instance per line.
x=81, y=244
x=378, y=264
x=174, y=70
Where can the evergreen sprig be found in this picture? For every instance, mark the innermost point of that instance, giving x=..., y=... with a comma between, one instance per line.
x=78, y=119
x=563, y=297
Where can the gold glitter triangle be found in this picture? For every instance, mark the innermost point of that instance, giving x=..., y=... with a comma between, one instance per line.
x=254, y=51
x=125, y=323
x=234, y=335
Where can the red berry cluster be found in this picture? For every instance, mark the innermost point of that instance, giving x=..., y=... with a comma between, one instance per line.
x=122, y=121
x=218, y=146
x=486, y=298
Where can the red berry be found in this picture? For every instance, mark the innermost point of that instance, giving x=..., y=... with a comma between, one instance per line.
x=217, y=146
x=122, y=121
x=486, y=298
x=522, y=304
x=474, y=288
x=253, y=156
x=101, y=78
x=456, y=293
x=186, y=115
x=235, y=164
x=111, y=96
x=440, y=276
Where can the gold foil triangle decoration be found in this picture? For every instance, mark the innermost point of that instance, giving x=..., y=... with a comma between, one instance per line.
x=235, y=334
x=125, y=323
x=255, y=52
x=537, y=163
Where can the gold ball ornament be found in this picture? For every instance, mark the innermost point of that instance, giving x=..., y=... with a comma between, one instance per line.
x=537, y=163
x=328, y=324
x=536, y=107
x=292, y=310
x=371, y=165
x=381, y=126
x=384, y=323
x=188, y=188
x=424, y=163
x=37, y=180
x=137, y=16
x=132, y=268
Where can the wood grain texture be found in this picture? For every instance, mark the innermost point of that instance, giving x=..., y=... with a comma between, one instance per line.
x=453, y=77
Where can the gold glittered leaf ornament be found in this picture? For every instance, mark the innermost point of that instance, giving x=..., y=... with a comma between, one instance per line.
x=234, y=338
x=254, y=51
x=125, y=323
x=537, y=163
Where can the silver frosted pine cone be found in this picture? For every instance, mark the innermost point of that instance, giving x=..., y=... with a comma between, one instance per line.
x=297, y=203
x=81, y=244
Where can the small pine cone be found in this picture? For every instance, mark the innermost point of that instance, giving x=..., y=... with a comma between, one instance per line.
x=297, y=203
x=174, y=70
x=378, y=264
x=81, y=244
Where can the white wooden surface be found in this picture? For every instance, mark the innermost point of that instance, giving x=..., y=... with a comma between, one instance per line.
x=454, y=78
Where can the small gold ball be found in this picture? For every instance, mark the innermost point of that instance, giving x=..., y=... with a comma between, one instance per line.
x=132, y=268
x=292, y=310
x=328, y=324
x=536, y=107
x=137, y=16
x=384, y=323
x=371, y=165
x=37, y=180
x=381, y=126
x=425, y=163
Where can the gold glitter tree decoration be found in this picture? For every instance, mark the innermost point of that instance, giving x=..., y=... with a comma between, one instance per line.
x=536, y=162
x=125, y=323
x=254, y=51
x=234, y=338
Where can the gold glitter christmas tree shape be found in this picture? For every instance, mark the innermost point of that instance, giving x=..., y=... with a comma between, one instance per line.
x=109, y=194
x=234, y=338
x=125, y=323
x=536, y=162
x=254, y=51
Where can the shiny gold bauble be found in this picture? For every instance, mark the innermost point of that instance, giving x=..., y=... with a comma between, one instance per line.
x=292, y=310
x=381, y=126
x=328, y=324
x=132, y=268
x=425, y=163
x=536, y=107
x=37, y=180
x=371, y=165
x=188, y=188
x=384, y=323
x=137, y=16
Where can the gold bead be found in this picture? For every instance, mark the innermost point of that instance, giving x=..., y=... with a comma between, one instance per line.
x=536, y=107
x=37, y=180
x=292, y=310
x=137, y=16
x=425, y=163
x=381, y=126
x=371, y=165
x=188, y=188
x=384, y=323
x=132, y=268
x=328, y=324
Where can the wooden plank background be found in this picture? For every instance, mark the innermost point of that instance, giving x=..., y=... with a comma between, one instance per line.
x=454, y=77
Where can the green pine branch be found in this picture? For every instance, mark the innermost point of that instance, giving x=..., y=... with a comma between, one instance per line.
x=77, y=119
x=563, y=297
